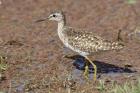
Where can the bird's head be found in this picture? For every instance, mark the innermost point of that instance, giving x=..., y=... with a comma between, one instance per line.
x=56, y=16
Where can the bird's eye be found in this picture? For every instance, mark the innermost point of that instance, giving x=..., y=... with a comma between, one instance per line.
x=54, y=15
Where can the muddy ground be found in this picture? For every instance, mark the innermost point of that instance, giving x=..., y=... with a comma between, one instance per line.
x=34, y=53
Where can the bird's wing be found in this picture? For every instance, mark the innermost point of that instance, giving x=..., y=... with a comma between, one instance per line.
x=83, y=40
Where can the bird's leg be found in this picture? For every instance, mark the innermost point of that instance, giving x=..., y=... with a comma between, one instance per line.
x=86, y=71
x=68, y=56
x=94, y=66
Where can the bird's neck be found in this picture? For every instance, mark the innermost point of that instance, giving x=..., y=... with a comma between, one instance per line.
x=60, y=30
x=61, y=24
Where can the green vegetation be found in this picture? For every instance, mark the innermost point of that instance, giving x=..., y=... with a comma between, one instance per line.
x=128, y=87
x=3, y=65
x=2, y=92
x=101, y=86
x=131, y=1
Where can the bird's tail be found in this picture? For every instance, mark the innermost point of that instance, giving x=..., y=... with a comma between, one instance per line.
x=119, y=44
x=116, y=45
x=111, y=46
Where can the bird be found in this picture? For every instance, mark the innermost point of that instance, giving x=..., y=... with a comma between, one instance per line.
x=81, y=41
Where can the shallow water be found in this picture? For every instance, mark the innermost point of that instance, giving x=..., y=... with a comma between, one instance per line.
x=103, y=68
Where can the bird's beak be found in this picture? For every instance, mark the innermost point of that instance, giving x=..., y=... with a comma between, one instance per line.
x=44, y=19
x=40, y=20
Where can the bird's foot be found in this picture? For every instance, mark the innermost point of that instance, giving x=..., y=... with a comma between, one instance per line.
x=69, y=56
x=95, y=68
x=95, y=74
x=86, y=72
x=66, y=56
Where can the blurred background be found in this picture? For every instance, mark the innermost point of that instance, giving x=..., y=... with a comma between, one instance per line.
x=31, y=54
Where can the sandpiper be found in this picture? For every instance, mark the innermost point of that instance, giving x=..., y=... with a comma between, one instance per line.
x=82, y=41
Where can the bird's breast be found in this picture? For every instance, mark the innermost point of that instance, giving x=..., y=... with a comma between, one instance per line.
x=62, y=37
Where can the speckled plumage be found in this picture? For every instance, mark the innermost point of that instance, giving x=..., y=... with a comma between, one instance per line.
x=81, y=41
x=85, y=42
